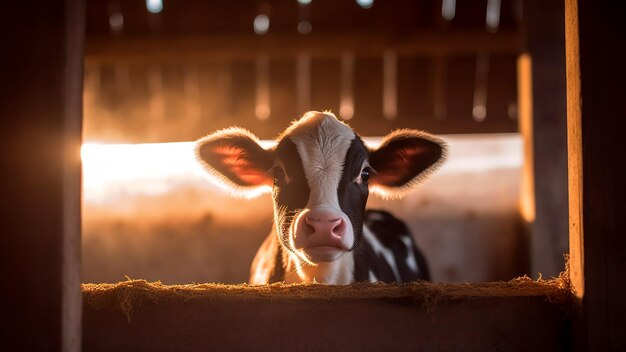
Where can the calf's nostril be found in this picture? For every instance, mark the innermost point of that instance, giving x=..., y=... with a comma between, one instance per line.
x=311, y=220
x=338, y=228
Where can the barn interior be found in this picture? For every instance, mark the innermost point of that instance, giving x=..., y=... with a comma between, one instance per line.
x=102, y=100
x=160, y=75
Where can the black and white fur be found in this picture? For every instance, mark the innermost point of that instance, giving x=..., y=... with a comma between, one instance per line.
x=320, y=174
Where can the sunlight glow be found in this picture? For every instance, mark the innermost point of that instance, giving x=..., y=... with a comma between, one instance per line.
x=154, y=6
x=108, y=166
x=448, y=9
x=305, y=27
x=116, y=22
x=492, y=18
x=110, y=170
x=261, y=24
x=366, y=4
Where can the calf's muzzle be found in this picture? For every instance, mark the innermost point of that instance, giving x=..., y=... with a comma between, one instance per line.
x=323, y=234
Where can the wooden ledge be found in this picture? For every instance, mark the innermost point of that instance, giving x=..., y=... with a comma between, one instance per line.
x=518, y=315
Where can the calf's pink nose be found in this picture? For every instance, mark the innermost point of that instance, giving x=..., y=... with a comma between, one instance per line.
x=326, y=223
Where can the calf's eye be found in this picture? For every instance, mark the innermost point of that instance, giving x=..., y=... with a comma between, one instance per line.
x=365, y=175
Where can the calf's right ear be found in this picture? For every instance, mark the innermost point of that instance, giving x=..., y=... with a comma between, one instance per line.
x=236, y=162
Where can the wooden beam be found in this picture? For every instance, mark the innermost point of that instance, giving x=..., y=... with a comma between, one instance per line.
x=139, y=316
x=107, y=50
x=596, y=112
x=40, y=137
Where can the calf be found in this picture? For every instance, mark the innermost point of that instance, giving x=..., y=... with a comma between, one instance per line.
x=320, y=174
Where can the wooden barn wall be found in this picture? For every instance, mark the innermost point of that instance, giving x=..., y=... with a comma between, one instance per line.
x=125, y=111
x=41, y=61
x=186, y=71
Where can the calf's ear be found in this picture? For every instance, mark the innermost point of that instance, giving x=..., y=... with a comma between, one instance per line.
x=236, y=162
x=404, y=159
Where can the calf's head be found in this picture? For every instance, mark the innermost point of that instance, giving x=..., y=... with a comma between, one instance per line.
x=320, y=174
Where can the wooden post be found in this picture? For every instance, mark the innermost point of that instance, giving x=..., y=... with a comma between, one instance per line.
x=41, y=60
x=596, y=110
x=545, y=44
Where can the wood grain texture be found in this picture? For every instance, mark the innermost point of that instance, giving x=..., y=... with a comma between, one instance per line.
x=596, y=109
x=40, y=133
x=140, y=316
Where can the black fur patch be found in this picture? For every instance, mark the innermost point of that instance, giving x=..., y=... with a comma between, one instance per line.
x=353, y=196
x=289, y=197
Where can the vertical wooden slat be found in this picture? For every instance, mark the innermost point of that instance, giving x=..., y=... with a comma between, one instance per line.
x=574, y=149
x=479, y=110
x=40, y=134
x=156, y=91
x=303, y=81
x=346, y=103
x=390, y=85
x=71, y=306
x=597, y=170
x=439, y=80
x=525, y=99
x=191, y=87
x=262, y=108
x=574, y=179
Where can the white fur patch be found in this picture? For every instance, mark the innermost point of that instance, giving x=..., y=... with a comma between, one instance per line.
x=382, y=251
x=372, y=277
x=322, y=142
x=339, y=272
x=411, y=262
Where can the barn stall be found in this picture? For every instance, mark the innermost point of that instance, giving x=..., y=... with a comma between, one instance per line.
x=150, y=88
x=60, y=281
x=156, y=81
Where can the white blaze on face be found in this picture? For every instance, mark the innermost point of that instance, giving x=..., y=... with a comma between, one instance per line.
x=322, y=142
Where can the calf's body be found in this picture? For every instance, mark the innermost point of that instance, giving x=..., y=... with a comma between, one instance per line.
x=320, y=174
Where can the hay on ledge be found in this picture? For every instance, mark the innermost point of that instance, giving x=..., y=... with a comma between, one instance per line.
x=130, y=294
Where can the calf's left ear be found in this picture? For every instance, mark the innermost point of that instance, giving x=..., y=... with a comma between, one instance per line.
x=236, y=162
x=404, y=158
